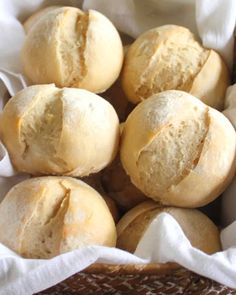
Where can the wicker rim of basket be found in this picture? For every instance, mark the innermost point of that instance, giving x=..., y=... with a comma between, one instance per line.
x=151, y=268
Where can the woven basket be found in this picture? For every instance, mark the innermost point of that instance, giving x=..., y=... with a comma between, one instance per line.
x=148, y=279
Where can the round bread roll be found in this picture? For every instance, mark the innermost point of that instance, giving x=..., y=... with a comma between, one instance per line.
x=44, y=217
x=83, y=49
x=66, y=131
x=33, y=19
x=177, y=150
x=170, y=57
x=198, y=228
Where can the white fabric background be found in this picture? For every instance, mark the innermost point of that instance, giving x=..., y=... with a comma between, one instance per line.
x=164, y=240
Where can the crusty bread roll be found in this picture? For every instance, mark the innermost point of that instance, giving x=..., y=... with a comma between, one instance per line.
x=177, y=150
x=33, y=19
x=66, y=131
x=118, y=186
x=198, y=228
x=72, y=48
x=47, y=216
x=170, y=57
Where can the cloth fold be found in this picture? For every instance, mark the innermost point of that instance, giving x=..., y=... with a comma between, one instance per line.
x=216, y=22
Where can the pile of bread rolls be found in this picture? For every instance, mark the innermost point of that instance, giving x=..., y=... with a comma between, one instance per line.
x=172, y=151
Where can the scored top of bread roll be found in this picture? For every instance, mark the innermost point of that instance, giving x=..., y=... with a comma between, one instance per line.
x=43, y=217
x=83, y=49
x=198, y=228
x=170, y=57
x=177, y=150
x=69, y=131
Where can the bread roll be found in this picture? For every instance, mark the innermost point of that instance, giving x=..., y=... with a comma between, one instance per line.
x=177, y=150
x=72, y=48
x=170, y=57
x=44, y=217
x=198, y=228
x=66, y=131
x=33, y=19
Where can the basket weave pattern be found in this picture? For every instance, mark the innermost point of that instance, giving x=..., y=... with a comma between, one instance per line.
x=151, y=279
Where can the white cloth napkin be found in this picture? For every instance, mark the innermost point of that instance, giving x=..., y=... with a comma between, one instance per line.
x=164, y=240
x=159, y=244
x=134, y=17
x=216, y=23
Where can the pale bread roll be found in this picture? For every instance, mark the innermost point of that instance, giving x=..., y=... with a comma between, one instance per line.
x=69, y=131
x=177, y=150
x=170, y=57
x=72, y=48
x=198, y=228
x=46, y=216
x=34, y=18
